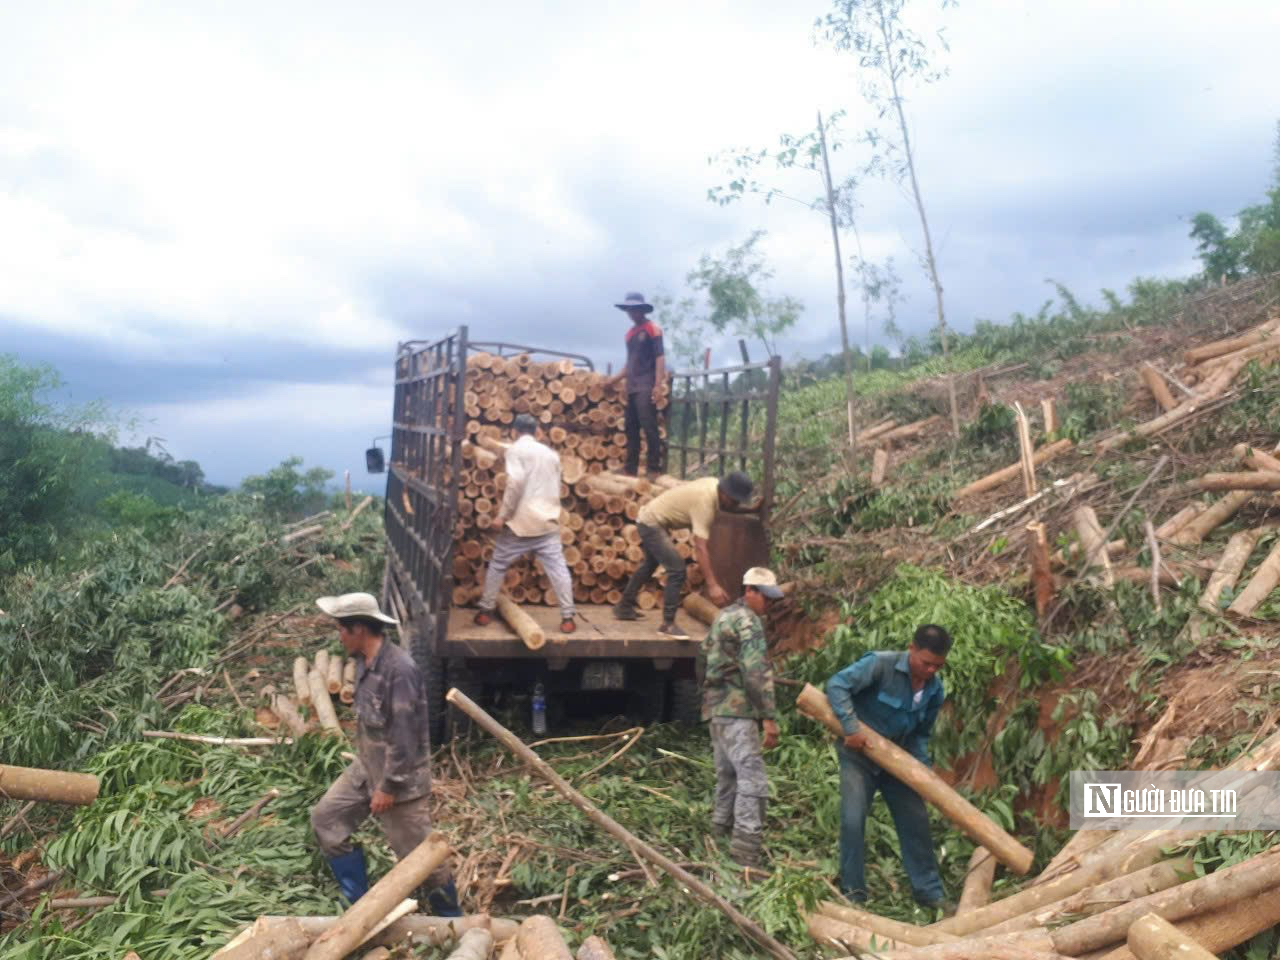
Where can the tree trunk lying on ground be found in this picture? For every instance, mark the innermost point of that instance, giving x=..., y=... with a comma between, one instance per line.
x=1180, y=519
x=416, y=928
x=1220, y=348
x=981, y=873
x=907, y=432
x=1260, y=585
x=1248, y=480
x=884, y=927
x=281, y=941
x=301, y=685
x=593, y=948
x=980, y=828
x=474, y=945
x=321, y=703
x=1092, y=543
x=48, y=786
x=1221, y=929
x=363, y=915
x=829, y=932
x=1080, y=843
x=992, y=480
x=524, y=625
x=539, y=939
x=1255, y=459
x=1204, y=523
x=1153, y=938
x=283, y=708
x=1156, y=384
x=1229, y=567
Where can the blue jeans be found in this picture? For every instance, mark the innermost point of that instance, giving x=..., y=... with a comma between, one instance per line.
x=859, y=781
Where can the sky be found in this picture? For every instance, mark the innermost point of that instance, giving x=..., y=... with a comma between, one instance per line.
x=220, y=219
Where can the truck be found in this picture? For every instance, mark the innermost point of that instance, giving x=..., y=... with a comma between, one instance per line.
x=716, y=420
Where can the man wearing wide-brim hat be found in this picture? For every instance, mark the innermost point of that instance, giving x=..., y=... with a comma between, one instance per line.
x=646, y=380
x=391, y=774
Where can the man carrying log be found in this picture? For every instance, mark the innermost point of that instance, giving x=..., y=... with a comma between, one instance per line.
x=529, y=522
x=737, y=699
x=898, y=694
x=691, y=505
x=646, y=380
x=391, y=775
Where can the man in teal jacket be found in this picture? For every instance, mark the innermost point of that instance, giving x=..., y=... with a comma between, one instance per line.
x=897, y=694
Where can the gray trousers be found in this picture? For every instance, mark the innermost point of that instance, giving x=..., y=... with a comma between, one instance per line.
x=345, y=805
x=509, y=548
x=742, y=786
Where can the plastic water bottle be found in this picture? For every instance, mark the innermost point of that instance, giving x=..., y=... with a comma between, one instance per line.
x=539, y=709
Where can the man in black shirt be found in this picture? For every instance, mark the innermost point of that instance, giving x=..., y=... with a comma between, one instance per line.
x=646, y=380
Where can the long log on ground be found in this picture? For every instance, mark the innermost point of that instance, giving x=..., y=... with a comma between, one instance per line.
x=363, y=915
x=539, y=939
x=992, y=480
x=1217, y=889
x=474, y=945
x=1159, y=389
x=638, y=847
x=884, y=927
x=1092, y=543
x=980, y=828
x=1081, y=842
x=594, y=948
x=1224, y=928
x=1104, y=896
x=279, y=941
x=1074, y=554
x=698, y=606
x=416, y=928
x=283, y=708
x=213, y=741
x=1229, y=568
x=907, y=431
x=1247, y=480
x=47, y=786
x=1024, y=944
x=322, y=704
x=1255, y=459
x=1220, y=348
x=829, y=932
x=351, y=518
x=1208, y=520
x=322, y=665
x=1169, y=575
x=525, y=627
x=1180, y=520
x=1260, y=585
x=301, y=685
x=978, y=878
x=1154, y=938
x=871, y=433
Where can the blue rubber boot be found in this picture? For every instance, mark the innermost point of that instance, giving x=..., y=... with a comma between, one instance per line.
x=349, y=870
x=443, y=900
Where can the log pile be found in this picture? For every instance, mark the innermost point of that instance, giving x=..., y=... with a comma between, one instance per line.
x=581, y=415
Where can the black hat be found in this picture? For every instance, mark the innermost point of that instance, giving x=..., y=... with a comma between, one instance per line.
x=635, y=301
x=736, y=486
x=524, y=423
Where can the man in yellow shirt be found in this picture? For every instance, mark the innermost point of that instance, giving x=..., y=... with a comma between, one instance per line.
x=691, y=506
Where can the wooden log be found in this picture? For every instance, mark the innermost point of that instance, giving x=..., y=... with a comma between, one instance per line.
x=1041, y=574
x=1014, y=946
x=322, y=704
x=1230, y=565
x=1248, y=480
x=301, y=685
x=832, y=933
x=1258, y=873
x=239, y=823
x=638, y=848
x=698, y=606
x=212, y=740
x=1223, y=347
x=1260, y=585
x=47, y=786
x=475, y=944
x=993, y=480
x=1180, y=520
x=322, y=666
x=1049, y=413
x=813, y=703
x=539, y=939
x=1080, y=843
x=981, y=873
x=524, y=625
x=1255, y=459
x=1026, y=452
x=351, y=518
x=1208, y=520
x=334, y=676
x=871, y=433
x=283, y=708
x=1074, y=553
x=1091, y=540
x=282, y=941
x=879, y=466
x=884, y=927
x=1169, y=574
x=1159, y=389
x=1153, y=938
x=363, y=915
x=1224, y=928
x=594, y=948
x=347, y=693
x=907, y=432
x=415, y=928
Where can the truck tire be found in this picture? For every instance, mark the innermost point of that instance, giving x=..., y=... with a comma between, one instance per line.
x=686, y=701
x=648, y=704
x=433, y=679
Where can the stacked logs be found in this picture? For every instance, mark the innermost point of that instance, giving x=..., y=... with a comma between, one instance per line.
x=582, y=414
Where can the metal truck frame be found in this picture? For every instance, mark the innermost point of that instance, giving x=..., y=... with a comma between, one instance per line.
x=708, y=433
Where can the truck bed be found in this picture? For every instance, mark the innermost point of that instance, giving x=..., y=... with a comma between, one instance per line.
x=598, y=635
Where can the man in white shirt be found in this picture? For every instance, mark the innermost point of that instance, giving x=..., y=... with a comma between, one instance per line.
x=529, y=522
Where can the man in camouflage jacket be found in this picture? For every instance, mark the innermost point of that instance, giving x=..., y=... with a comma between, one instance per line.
x=737, y=698
x=391, y=775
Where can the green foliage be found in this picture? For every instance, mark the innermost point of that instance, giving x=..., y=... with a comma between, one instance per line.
x=733, y=287
x=1253, y=247
x=994, y=429
x=1088, y=409
x=287, y=492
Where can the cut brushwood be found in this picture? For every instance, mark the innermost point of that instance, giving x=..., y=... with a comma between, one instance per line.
x=525, y=627
x=48, y=786
x=812, y=702
x=363, y=915
x=638, y=848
